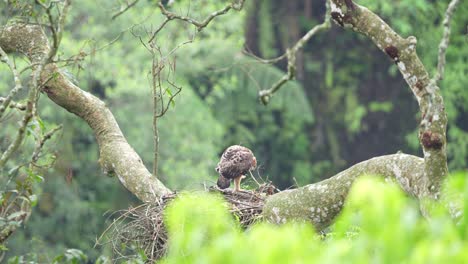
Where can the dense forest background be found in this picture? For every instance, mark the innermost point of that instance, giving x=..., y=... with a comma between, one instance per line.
x=349, y=102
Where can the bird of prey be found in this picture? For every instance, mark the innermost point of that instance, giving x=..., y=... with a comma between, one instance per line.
x=235, y=162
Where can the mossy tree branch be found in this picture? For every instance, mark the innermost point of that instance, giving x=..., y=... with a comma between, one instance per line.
x=117, y=157
x=321, y=202
x=402, y=51
x=445, y=40
x=421, y=178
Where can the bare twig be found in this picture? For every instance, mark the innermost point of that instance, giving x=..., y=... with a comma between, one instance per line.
x=156, y=69
x=158, y=66
x=13, y=104
x=18, y=86
x=253, y=177
x=265, y=95
x=262, y=60
x=163, y=24
x=124, y=8
x=198, y=24
x=445, y=40
x=21, y=131
x=42, y=141
x=55, y=25
x=159, y=107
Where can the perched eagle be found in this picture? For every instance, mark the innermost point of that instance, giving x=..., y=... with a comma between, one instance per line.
x=235, y=162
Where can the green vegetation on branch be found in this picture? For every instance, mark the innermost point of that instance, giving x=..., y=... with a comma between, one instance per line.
x=379, y=224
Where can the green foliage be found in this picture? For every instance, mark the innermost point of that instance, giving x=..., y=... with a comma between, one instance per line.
x=70, y=256
x=228, y=83
x=186, y=220
x=115, y=68
x=346, y=78
x=380, y=106
x=349, y=95
x=266, y=30
x=378, y=224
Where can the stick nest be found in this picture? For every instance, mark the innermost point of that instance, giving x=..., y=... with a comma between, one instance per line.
x=141, y=229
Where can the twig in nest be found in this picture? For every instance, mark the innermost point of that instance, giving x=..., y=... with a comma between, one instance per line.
x=142, y=228
x=247, y=206
x=253, y=177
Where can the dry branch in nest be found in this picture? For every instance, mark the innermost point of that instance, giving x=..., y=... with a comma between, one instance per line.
x=246, y=206
x=138, y=229
x=141, y=229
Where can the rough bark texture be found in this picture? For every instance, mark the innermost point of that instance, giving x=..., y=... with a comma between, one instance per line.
x=432, y=129
x=321, y=202
x=117, y=157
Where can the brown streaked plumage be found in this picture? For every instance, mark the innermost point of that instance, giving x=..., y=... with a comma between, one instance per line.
x=235, y=162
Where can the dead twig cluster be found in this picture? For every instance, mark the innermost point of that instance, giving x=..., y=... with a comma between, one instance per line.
x=198, y=24
x=246, y=206
x=142, y=229
x=138, y=229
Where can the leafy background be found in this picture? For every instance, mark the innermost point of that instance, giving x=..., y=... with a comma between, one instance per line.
x=349, y=103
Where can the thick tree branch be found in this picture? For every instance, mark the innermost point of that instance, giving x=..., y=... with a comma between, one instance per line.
x=445, y=40
x=321, y=202
x=35, y=83
x=432, y=129
x=117, y=157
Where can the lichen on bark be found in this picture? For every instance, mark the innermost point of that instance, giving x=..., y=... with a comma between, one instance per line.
x=318, y=203
x=402, y=51
x=117, y=157
x=321, y=202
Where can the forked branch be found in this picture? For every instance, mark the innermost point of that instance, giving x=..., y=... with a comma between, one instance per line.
x=198, y=24
x=290, y=54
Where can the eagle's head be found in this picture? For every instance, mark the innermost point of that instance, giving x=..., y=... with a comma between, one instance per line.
x=223, y=183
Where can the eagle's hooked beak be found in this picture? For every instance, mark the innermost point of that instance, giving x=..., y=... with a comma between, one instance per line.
x=254, y=163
